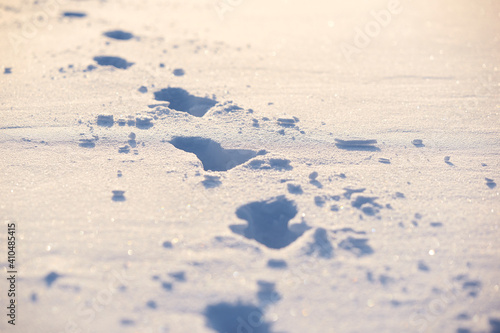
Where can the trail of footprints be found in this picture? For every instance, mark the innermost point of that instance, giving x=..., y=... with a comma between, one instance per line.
x=267, y=222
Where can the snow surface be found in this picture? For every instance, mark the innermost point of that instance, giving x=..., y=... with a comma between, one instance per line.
x=172, y=166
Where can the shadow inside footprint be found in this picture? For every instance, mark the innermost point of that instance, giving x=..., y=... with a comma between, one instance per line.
x=268, y=222
x=105, y=120
x=178, y=72
x=74, y=14
x=367, y=205
x=495, y=325
x=181, y=100
x=418, y=143
x=211, y=182
x=321, y=245
x=116, y=62
x=267, y=293
x=118, y=196
x=279, y=164
x=350, y=191
x=118, y=34
x=294, y=189
x=127, y=322
x=51, y=278
x=87, y=143
x=277, y=264
x=357, y=148
x=490, y=183
x=231, y=318
x=211, y=154
x=358, y=246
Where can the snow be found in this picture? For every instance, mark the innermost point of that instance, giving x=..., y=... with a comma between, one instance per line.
x=251, y=166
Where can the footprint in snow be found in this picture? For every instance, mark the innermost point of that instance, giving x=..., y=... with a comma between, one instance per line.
x=267, y=222
x=181, y=100
x=211, y=154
